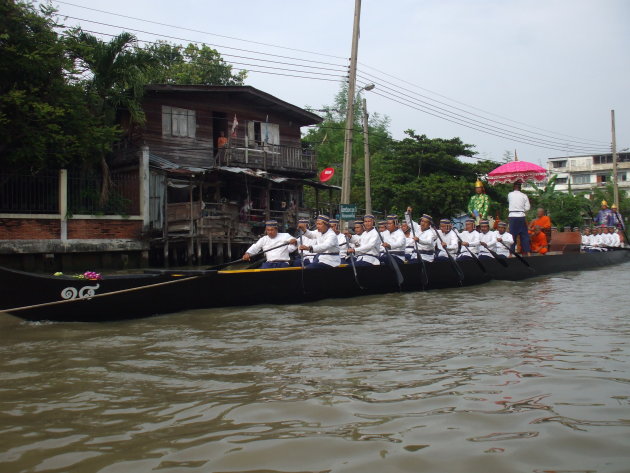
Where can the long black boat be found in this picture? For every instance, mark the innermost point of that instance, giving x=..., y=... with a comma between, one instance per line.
x=39, y=297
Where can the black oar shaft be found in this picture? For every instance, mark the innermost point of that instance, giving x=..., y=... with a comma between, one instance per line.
x=354, y=267
x=514, y=253
x=454, y=264
x=423, y=268
x=390, y=259
x=475, y=257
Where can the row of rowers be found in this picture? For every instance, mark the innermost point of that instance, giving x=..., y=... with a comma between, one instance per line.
x=326, y=246
x=601, y=238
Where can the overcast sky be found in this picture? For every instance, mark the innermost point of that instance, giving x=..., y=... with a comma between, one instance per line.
x=557, y=67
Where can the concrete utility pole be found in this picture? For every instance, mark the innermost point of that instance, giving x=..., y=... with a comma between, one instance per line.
x=614, y=157
x=347, y=146
x=366, y=151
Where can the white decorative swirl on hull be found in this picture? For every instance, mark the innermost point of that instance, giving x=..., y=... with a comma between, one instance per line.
x=86, y=292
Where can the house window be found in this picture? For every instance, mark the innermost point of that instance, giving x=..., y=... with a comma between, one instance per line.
x=622, y=176
x=582, y=179
x=263, y=133
x=559, y=164
x=178, y=122
x=561, y=180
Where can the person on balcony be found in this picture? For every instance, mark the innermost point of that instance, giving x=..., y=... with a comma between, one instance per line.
x=222, y=142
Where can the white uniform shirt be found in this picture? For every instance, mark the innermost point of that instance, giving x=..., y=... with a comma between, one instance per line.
x=472, y=238
x=507, y=239
x=491, y=240
x=265, y=243
x=452, y=243
x=410, y=248
x=397, y=242
x=607, y=239
x=325, y=244
x=343, y=246
x=518, y=204
x=367, y=246
x=615, y=240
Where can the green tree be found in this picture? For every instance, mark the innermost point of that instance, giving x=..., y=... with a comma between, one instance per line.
x=176, y=64
x=426, y=174
x=327, y=139
x=43, y=118
x=564, y=208
x=115, y=72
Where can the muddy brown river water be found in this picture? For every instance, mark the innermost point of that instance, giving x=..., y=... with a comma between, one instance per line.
x=531, y=376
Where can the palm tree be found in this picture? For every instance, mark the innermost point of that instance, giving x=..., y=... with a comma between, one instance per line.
x=112, y=74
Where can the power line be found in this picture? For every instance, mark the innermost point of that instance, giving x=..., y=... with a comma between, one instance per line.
x=407, y=104
x=485, y=126
x=557, y=143
x=249, y=70
x=583, y=144
x=202, y=32
x=473, y=107
x=202, y=42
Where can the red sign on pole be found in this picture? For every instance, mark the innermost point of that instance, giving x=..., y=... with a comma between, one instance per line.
x=326, y=174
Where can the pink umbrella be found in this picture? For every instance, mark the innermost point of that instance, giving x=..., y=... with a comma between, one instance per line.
x=517, y=171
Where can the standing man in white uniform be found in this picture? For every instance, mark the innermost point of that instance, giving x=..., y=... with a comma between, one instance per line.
x=518, y=204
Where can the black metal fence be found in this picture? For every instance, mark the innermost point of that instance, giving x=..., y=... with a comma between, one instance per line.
x=29, y=194
x=39, y=194
x=86, y=197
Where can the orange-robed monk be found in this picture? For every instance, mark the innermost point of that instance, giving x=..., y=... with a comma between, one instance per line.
x=542, y=221
x=538, y=241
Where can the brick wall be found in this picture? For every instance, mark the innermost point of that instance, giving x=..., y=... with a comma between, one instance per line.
x=97, y=229
x=29, y=229
x=46, y=229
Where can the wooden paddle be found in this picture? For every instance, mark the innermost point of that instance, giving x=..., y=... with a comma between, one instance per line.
x=229, y=263
x=494, y=254
x=392, y=263
x=519, y=257
x=425, y=280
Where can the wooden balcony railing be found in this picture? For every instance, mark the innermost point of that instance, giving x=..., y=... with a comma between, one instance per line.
x=268, y=157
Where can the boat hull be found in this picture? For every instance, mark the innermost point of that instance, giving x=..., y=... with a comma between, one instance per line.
x=39, y=297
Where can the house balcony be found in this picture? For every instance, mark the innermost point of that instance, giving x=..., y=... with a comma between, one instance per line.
x=268, y=157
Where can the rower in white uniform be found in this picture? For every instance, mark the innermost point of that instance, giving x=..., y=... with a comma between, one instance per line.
x=275, y=245
x=470, y=240
x=367, y=244
x=394, y=240
x=487, y=240
x=449, y=242
x=503, y=237
x=425, y=237
x=323, y=243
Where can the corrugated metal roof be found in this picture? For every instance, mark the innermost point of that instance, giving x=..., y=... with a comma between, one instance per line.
x=171, y=167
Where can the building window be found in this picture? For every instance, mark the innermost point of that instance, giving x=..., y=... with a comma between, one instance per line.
x=603, y=159
x=561, y=180
x=582, y=179
x=559, y=164
x=622, y=176
x=178, y=122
